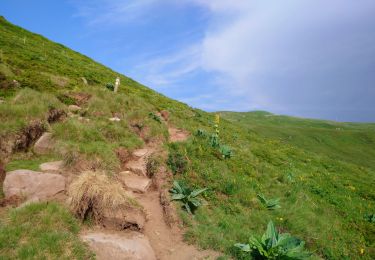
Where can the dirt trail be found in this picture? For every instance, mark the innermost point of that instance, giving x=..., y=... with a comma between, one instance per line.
x=165, y=238
x=166, y=241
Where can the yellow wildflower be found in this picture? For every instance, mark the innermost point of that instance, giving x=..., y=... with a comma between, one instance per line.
x=362, y=250
x=217, y=119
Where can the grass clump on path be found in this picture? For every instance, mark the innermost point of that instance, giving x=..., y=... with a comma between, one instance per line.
x=93, y=193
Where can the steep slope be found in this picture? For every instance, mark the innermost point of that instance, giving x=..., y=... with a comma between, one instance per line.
x=323, y=199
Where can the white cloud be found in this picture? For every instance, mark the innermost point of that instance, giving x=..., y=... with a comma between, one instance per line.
x=274, y=55
x=164, y=71
x=109, y=12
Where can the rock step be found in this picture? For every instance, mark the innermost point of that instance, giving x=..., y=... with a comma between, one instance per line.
x=140, y=153
x=33, y=185
x=44, y=144
x=121, y=246
x=52, y=167
x=134, y=182
x=138, y=167
x=74, y=108
x=114, y=119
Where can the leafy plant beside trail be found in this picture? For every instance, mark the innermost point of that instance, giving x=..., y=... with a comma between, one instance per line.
x=225, y=151
x=270, y=204
x=110, y=86
x=214, y=140
x=177, y=161
x=370, y=218
x=187, y=196
x=155, y=117
x=274, y=245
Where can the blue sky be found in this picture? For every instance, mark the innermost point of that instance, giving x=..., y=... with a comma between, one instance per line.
x=309, y=58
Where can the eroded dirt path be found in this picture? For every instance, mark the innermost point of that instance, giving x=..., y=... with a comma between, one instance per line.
x=160, y=238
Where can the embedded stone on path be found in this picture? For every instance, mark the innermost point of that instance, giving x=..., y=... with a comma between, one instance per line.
x=140, y=153
x=134, y=182
x=44, y=144
x=33, y=185
x=52, y=167
x=129, y=246
x=74, y=108
x=115, y=119
x=138, y=167
x=131, y=218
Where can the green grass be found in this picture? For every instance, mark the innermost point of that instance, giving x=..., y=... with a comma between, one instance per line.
x=323, y=200
x=347, y=142
x=322, y=171
x=28, y=161
x=41, y=231
x=27, y=105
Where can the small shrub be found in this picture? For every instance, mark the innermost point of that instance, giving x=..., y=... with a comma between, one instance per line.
x=214, y=141
x=270, y=204
x=187, y=196
x=152, y=166
x=226, y=151
x=65, y=99
x=177, y=162
x=370, y=218
x=110, y=86
x=274, y=245
x=201, y=133
x=155, y=117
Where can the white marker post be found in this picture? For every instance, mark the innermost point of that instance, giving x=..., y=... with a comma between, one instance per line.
x=117, y=84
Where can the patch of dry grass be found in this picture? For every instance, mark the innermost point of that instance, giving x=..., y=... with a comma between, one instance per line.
x=93, y=193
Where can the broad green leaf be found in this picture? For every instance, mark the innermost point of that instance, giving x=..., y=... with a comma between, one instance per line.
x=195, y=202
x=178, y=187
x=197, y=192
x=262, y=199
x=187, y=207
x=243, y=247
x=178, y=196
x=271, y=235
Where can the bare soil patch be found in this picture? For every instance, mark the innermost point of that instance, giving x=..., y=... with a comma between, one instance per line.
x=177, y=135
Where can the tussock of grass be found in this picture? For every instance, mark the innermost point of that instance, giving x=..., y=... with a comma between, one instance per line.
x=93, y=193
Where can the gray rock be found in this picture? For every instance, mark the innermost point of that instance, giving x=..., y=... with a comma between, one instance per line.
x=140, y=153
x=137, y=166
x=129, y=246
x=114, y=119
x=84, y=80
x=44, y=144
x=33, y=185
x=74, y=108
x=52, y=167
x=134, y=182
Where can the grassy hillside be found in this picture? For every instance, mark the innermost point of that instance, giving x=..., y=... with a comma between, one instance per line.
x=325, y=191
x=348, y=142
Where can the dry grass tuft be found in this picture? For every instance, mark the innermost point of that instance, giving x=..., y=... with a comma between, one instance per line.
x=94, y=193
